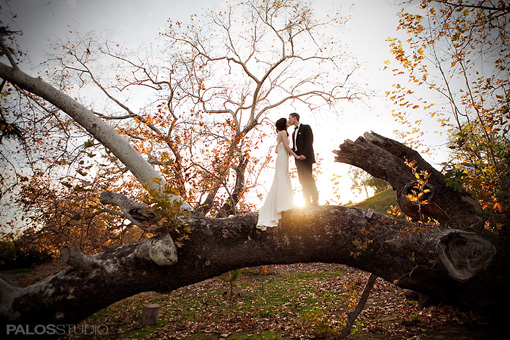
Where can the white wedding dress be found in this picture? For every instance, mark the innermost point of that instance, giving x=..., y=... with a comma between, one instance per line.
x=280, y=197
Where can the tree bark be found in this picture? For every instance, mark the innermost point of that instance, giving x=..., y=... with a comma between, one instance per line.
x=150, y=314
x=385, y=158
x=229, y=207
x=323, y=234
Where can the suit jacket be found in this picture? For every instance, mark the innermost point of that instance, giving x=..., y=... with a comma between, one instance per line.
x=303, y=144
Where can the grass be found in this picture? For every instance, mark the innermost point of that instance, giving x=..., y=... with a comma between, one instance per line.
x=143, y=332
x=262, y=307
x=380, y=202
x=300, y=301
x=237, y=336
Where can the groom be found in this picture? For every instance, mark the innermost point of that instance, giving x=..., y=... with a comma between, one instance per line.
x=302, y=139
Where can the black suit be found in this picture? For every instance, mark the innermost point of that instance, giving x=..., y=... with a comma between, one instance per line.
x=303, y=145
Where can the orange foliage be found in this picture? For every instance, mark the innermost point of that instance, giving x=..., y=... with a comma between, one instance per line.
x=461, y=51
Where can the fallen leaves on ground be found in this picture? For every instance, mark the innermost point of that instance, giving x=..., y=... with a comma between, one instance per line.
x=298, y=301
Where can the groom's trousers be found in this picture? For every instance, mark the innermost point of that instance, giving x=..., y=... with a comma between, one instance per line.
x=310, y=193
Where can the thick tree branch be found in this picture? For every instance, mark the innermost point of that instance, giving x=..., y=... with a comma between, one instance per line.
x=386, y=159
x=104, y=133
x=128, y=206
x=7, y=51
x=324, y=234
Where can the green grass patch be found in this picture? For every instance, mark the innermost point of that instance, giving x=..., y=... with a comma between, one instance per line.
x=237, y=336
x=143, y=332
x=303, y=297
x=380, y=203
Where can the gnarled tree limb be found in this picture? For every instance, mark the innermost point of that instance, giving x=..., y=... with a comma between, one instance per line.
x=385, y=158
x=130, y=209
x=82, y=263
x=323, y=234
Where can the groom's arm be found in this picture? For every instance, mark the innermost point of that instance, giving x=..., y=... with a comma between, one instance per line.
x=308, y=141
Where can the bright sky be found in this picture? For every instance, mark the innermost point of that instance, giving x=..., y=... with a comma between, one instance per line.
x=372, y=22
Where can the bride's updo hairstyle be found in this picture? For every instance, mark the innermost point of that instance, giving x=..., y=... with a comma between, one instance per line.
x=281, y=125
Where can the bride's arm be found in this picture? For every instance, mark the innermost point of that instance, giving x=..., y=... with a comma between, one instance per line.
x=283, y=136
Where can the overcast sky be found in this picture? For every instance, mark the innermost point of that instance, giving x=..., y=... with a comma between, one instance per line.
x=372, y=22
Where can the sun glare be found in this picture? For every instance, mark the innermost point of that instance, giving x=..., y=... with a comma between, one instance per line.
x=298, y=199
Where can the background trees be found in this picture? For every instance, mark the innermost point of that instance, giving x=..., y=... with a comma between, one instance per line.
x=460, y=50
x=198, y=109
x=362, y=181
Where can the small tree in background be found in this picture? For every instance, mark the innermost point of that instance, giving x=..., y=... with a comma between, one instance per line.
x=362, y=181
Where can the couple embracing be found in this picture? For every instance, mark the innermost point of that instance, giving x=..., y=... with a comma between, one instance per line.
x=280, y=197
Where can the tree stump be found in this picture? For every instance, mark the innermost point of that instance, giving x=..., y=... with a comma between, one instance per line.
x=150, y=313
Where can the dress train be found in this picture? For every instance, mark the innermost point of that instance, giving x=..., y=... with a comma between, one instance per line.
x=280, y=197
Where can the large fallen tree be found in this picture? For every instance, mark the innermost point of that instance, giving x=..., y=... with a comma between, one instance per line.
x=325, y=234
x=459, y=266
x=453, y=260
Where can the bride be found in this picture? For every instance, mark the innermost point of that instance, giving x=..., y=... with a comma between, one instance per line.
x=280, y=197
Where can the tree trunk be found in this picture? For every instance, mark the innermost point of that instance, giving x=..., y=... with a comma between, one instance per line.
x=359, y=308
x=324, y=234
x=229, y=207
x=150, y=314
